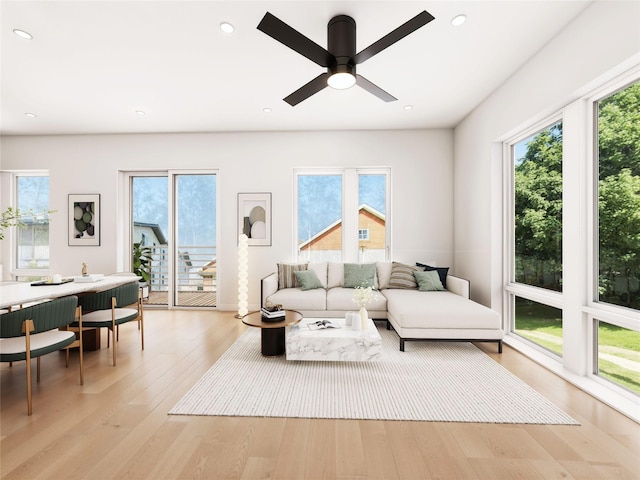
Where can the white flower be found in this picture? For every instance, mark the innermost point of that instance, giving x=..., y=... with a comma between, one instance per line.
x=364, y=295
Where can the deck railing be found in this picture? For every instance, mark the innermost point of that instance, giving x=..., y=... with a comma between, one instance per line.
x=195, y=271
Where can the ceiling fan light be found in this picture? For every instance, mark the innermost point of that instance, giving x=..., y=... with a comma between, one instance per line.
x=341, y=81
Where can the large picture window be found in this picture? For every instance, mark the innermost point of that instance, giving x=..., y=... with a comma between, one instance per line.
x=572, y=257
x=618, y=158
x=536, y=238
x=538, y=209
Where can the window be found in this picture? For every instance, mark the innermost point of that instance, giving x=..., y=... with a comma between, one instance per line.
x=319, y=218
x=539, y=323
x=618, y=166
x=618, y=355
x=32, y=238
x=572, y=256
x=342, y=215
x=538, y=209
x=535, y=256
x=372, y=196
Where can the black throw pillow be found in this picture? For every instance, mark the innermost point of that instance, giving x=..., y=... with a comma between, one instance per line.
x=442, y=272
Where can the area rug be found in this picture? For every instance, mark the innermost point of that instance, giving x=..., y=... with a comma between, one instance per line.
x=430, y=381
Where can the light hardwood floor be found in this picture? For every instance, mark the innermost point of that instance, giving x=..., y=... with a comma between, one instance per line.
x=116, y=425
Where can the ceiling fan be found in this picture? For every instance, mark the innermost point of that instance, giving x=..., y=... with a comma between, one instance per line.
x=340, y=57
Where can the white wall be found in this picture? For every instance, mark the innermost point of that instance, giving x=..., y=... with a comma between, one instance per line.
x=422, y=179
x=604, y=36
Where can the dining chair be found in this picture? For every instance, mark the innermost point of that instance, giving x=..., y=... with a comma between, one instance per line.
x=37, y=330
x=111, y=308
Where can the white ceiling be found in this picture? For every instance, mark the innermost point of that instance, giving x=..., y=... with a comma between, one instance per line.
x=92, y=64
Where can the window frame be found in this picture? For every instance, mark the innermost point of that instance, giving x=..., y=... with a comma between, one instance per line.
x=350, y=206
x=595, y=310
x=512, y=288
x=579, y=363
x=10, y=233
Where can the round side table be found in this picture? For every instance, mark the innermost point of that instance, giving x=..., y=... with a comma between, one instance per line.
x=272, y=332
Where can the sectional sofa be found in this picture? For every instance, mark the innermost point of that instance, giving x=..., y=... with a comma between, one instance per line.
x=437, y=309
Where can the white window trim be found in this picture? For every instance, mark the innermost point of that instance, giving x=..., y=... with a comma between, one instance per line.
x=579, y=358
x=350, y=206
x=10, y=232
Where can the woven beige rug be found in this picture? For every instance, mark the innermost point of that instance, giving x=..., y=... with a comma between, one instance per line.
x=448, y=382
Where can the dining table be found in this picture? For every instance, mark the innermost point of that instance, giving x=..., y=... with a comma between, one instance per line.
x=16, y=294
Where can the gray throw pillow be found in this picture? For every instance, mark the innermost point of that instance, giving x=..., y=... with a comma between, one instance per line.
x=359, y=275
x=429, y=281
x=402, y=276
x=307, y=279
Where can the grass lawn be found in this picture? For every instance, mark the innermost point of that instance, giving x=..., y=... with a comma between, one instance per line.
x=618, y=348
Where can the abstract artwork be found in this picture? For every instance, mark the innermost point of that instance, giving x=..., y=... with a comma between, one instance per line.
x=254, y=217
x=84, y=219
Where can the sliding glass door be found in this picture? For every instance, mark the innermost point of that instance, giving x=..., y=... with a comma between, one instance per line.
x=195, y=261
x=173, y=236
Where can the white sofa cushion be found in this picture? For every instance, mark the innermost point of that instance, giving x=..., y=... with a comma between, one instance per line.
x=383, y=271
x=439, y=310
x=321, y=272
x=335, y=275
x=341, y=299
x=298, y=299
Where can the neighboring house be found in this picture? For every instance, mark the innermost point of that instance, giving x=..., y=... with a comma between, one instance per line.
x=326, y=245
x=209, y=274
x=148, y=234
x=151, y=235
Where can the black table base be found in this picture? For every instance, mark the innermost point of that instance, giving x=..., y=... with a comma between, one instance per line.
x=272, y=341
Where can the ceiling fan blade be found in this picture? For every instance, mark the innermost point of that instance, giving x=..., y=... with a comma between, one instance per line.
x=308, y=89
x=280, y=31
x=399, y=33
x=373, y=88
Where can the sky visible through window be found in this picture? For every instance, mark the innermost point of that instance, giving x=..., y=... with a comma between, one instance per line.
x=320, y=200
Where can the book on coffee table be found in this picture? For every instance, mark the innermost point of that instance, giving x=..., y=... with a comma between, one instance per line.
x=272, y=313
x=321, y=324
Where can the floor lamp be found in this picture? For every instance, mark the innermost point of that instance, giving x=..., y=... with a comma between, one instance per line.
x=243, y=275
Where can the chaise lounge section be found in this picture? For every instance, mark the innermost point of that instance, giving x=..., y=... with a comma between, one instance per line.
x=446, y=314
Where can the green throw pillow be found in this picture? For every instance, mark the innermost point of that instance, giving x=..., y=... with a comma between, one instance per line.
x=429, y=281
x=307, y=279
x=359, y=275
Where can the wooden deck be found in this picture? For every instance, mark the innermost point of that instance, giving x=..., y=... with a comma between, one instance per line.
x=185, y=299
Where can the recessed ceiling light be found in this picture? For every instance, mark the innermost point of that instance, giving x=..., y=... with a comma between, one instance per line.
x=266, y=110
x=408, y=107
x=226, y=27
x=141, y=113
x=458, y=20
x=31, y=115
x=22, y=34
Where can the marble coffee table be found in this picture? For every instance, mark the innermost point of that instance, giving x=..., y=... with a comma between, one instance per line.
x=332, y=344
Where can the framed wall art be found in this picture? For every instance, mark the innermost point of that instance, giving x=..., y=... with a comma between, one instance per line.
x=84, y=219
x=254, y=217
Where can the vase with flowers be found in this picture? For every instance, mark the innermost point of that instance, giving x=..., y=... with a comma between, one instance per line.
x=362, y=296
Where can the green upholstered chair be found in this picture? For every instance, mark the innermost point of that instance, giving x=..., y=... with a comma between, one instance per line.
x=37, y=330
x=111, y=308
